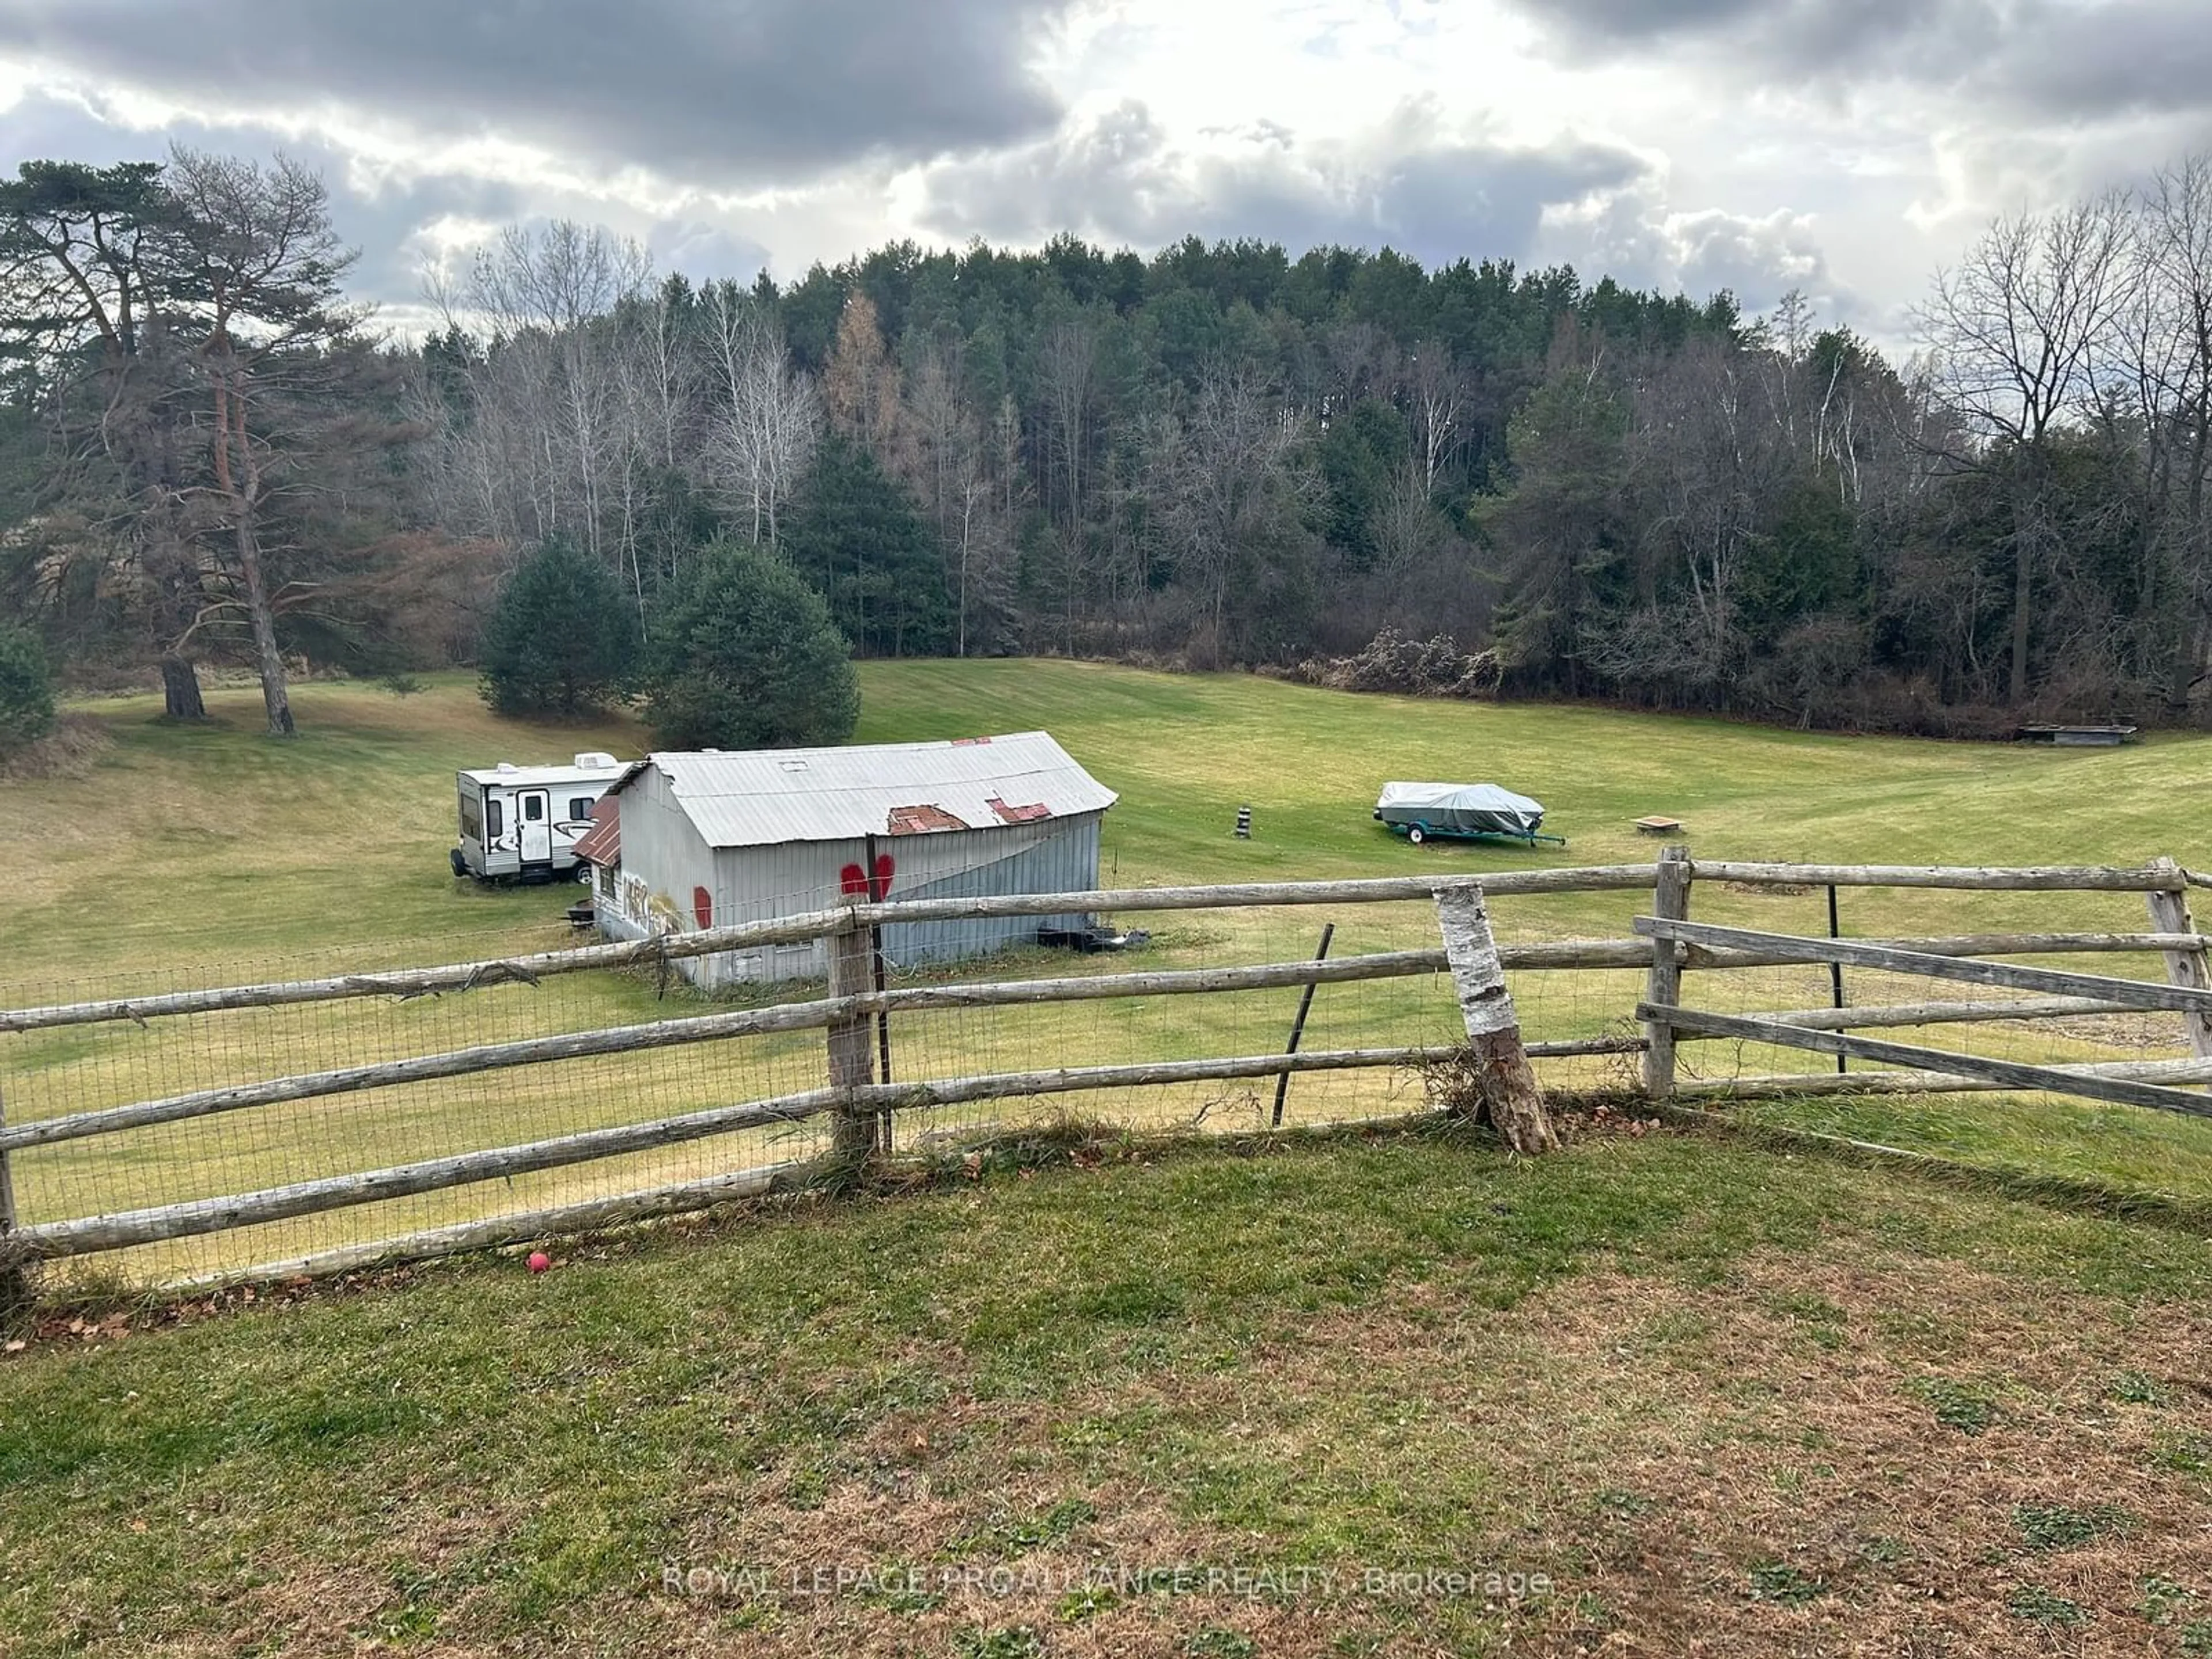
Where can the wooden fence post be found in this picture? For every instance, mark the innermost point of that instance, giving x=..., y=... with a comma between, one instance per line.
x=1670, y=900
x=1506, y=1083
x=15, y=1276
x=2169, y=913
x=852, y=1050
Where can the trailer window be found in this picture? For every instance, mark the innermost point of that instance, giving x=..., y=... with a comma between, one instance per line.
x=579, y=808
x=533, y=807
x=494, y=818
x=471, y=819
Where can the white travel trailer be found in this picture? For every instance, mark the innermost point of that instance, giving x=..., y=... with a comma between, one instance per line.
x=522, y=823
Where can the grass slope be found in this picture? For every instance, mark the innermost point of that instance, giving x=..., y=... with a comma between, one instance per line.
x=184, y=846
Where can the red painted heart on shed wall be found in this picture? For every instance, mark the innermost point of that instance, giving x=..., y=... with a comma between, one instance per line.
x=854, y=881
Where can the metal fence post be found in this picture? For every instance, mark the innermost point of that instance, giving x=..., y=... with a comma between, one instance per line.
x=1670, y=901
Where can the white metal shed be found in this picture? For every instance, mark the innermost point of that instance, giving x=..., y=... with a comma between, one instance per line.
x=706, y=839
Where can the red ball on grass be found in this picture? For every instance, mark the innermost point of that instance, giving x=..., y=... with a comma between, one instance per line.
x=539, y=1261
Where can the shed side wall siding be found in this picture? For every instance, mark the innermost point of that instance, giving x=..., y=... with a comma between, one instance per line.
x=757, y=884
x=663, y=860
x=1060, y=857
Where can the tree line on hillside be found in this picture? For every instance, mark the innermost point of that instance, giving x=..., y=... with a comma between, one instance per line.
x=1218, y=455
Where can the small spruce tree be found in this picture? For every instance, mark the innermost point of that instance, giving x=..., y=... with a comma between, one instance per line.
x=26, y=689
x=860, y=536
x=563, y=640
x=744, y=656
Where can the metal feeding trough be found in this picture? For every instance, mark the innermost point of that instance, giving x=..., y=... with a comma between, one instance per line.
x=2078, y=737
x=1095, y=937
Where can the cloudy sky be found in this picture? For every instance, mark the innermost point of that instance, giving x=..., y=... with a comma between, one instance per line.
x=1843, y=147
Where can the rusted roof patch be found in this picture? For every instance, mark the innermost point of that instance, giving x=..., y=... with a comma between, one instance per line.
x=922, y=820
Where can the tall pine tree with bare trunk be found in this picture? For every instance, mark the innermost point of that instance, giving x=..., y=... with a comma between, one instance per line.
x=258, y=268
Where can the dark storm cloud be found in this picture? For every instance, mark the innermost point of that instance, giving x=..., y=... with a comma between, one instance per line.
x=2139, y=56
x=2073, y=59
x=707, y=93
x=1821, y=38
x=1432, y=196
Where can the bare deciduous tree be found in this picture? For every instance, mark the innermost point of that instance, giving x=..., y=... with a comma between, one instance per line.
x=1231, y=480
x=551, y=301
x=768, y=417
x=1435, y=392
x=2015, y=330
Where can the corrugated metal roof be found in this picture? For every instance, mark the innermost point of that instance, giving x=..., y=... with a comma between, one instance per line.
x=762, y=798
x=601, y=844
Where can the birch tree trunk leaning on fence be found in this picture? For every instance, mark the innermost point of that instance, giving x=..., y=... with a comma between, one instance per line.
x=1505, y=1084
x=2169, y=913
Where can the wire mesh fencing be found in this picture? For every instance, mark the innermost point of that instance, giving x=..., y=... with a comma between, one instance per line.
x=563, y=1079
x=355, y=1113
x=2103, y=935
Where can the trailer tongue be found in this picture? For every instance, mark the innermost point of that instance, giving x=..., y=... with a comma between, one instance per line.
x=1462, y=811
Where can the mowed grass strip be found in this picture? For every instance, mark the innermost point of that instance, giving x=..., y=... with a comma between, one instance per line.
x=1710, y=1399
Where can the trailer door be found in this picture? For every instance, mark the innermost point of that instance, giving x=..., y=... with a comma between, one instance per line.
x=534, y=818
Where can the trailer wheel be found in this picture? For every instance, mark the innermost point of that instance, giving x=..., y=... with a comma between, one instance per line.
x=1415, y=836
x=583, y=875
x=460, y=865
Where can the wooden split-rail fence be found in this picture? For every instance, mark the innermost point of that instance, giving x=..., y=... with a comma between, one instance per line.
x=860, y=1102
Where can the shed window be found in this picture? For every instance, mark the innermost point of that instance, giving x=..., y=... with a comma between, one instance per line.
x=579, y=808
x=494, y=818
x=533, y=807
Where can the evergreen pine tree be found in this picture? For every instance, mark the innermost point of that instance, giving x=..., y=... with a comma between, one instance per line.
x=562, y=640
x=745, y=656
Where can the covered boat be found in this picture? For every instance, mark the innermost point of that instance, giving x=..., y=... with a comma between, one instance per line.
x=1417, y=810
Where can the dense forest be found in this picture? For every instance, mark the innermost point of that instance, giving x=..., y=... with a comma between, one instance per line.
x=1220, y=454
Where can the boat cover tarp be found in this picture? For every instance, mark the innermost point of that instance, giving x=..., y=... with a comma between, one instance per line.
x=1468, y=809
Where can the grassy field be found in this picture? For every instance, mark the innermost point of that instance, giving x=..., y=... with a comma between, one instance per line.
x=187, y=848
x=1659, y=1394
x=185, y=857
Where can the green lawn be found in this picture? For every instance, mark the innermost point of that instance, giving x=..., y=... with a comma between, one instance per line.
x=1680, y=1393
x=1699, y=1397
x=187, y=847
